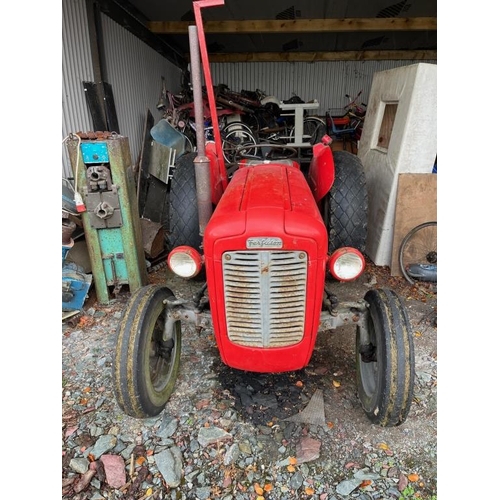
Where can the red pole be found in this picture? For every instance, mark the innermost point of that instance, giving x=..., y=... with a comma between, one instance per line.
x=197, y=6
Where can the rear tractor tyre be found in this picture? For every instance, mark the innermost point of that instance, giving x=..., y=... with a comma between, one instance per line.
x=183, y=207
x=146, y=364
x=346, y=205
x=385, y=364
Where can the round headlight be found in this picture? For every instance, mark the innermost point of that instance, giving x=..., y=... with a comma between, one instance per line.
x=346, y=264
x=185, y=261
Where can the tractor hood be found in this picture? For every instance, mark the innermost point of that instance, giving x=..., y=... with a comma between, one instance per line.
x=267, y=201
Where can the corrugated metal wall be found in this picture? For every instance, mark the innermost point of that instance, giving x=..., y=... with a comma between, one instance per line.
x=76, y=68
x=133, y=69
x=327, y=82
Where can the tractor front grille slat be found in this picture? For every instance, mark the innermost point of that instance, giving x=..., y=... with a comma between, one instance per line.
x=265, y=297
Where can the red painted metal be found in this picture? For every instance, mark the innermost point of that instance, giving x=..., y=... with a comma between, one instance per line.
x=274, y=201
x=216, y=165
x=221, y=174
x=338, y=254
x=321, y=169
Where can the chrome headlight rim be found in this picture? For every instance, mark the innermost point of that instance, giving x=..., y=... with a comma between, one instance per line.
x=185, y=262
x=346, y=264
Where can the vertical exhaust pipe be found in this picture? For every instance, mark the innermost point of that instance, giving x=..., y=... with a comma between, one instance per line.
x=201, y=162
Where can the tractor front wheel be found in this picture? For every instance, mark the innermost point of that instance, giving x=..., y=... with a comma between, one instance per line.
x=147, y=356
x=385, y=360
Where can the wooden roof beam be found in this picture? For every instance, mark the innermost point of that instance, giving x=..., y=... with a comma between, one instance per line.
x=300, y=25
x=355, y=55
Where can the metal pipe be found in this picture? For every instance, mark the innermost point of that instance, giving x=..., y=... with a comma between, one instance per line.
x=203, y=191
x=197, y=6
x=197, y=91
x=201, y=162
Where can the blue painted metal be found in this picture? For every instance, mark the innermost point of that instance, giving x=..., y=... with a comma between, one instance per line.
x=170, y=137
x=94, y=152
x=113, y=256
x=75, y=283
x=65, y=250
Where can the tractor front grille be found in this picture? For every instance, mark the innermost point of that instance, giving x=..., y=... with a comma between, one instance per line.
x=265, y=297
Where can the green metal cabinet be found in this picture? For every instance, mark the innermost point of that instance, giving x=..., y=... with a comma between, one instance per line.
x=102, y=169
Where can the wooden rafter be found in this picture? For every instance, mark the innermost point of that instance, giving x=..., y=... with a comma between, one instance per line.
x=300, y=25
x=354, y=55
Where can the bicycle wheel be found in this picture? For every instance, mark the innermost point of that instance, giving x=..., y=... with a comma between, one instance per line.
x=233, y=137
x=418, y=253
x=314, y=129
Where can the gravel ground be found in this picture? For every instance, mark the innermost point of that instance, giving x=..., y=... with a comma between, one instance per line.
x=236, y=435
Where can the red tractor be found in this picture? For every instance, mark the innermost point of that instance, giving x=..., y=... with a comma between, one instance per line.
x=265, y=239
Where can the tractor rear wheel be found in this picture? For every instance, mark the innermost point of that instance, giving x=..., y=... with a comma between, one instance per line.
x=183, y=207
x=385, y=360
x=147, y=357
x=346, y=205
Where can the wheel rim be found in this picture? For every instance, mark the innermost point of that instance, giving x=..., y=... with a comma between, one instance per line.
x=161, y=356
x=234, y=140
x=418, y=253
x=312, y=130
x=368, y=370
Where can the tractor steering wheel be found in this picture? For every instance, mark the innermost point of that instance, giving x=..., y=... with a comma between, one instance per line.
x=269, y=152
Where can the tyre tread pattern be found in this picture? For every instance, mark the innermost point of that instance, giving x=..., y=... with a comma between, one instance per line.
x=347, y=204
x=183, y=206
x=397, y=349
x=125, y=364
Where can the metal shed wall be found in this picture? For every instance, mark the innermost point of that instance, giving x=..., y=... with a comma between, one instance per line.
x=76, y=68
x=133, y=70
x=327, y=82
